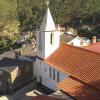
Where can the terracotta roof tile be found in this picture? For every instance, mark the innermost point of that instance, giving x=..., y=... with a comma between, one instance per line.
x=80, y=63
x=94, y=47
x=79, y=90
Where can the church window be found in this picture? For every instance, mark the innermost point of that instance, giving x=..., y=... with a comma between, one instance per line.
x=52, y=38
x=58, y=76
x=53, y=74
x=50, y=72
x=45, y=69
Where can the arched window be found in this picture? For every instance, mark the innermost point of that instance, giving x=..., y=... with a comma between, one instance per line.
x=52, y=38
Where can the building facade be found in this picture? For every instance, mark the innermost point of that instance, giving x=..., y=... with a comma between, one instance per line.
x=75, y=68
x=47, y=41
x=14, y=74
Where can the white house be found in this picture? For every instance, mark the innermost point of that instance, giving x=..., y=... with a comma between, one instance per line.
x=79, y=41
x=74, y=40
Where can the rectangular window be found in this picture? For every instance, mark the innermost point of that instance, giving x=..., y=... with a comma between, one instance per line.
x=53, y=74
x=58, y=76
x=45, y=69
x=50, y=72
x=52, y=38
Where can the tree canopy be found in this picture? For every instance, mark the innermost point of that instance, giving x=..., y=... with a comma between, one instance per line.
x=28, y=14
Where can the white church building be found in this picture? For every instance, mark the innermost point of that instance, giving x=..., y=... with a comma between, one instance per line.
x=47, y=41
x=72, y=69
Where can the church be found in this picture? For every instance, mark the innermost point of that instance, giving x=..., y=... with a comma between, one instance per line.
x=47, y=41
x=59, y=66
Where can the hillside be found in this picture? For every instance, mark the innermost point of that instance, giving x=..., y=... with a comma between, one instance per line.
x=29, y=13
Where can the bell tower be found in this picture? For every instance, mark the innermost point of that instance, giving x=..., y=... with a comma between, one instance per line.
x=47, y=37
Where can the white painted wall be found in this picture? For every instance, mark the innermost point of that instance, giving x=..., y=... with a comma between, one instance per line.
x=50, y=48
x=47, y=48
x=47, y=27
x=76, y=42
x=46, y=80
x=47, y=23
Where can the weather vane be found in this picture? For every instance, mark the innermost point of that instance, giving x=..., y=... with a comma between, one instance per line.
x=47, y=2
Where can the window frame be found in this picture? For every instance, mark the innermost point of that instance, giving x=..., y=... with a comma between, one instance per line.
x=58, y=76
x=52, y=38
x=50, y=72
x=54, y=74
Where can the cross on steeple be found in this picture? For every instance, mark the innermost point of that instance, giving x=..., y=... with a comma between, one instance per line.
x=47, y=2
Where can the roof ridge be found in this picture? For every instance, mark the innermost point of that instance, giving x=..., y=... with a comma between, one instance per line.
x=80, y=81
x=79, y=90
x=80, y=48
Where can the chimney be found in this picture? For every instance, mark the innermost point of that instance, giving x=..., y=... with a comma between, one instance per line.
x=58, y=27
x=94, y=39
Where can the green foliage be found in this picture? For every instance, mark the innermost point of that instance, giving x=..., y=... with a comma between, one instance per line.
x=30, y=13
x=9, y=23
x=5, y=44
x=7, y=11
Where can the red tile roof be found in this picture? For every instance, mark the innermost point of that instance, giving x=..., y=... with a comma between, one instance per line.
x=94, y=47
x=77, y=62
x=78, y=89
x=42, y=97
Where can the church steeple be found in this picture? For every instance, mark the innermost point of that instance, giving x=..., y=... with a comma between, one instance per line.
x=47, y=38
x=48, y=23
